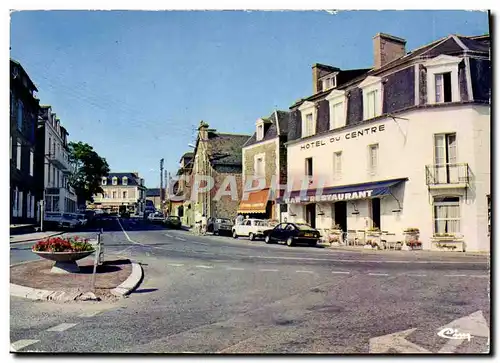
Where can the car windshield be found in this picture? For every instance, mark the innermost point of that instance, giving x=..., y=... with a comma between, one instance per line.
x=261, y=223
x=304, y=227
x=174, y=218
x=68, y=216
x=224, y=220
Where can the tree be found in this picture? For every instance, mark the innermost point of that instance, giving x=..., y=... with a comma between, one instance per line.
x=88, y=170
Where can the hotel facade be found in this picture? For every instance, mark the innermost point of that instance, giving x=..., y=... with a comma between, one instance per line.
x=404, y=145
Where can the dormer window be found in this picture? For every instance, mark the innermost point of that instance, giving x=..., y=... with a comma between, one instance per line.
x=442, y=79
x=115, y=180
x=372, y=97
x=260, y=129
x=308, y=112
x=336, y=99
x=330, y=82
x=104, y=181
x=125, y=180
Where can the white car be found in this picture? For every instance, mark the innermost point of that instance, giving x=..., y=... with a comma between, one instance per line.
x=251, y=228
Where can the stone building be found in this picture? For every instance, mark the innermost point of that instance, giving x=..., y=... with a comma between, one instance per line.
x=178, y=192
x=403, y=145
x=125, y=190
x=25, y=194
x=264, y=156
x=218, y=156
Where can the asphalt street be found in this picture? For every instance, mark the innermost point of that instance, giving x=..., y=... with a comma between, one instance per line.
x=212, y=294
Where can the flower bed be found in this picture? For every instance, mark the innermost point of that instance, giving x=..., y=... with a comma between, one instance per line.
x=63, y=244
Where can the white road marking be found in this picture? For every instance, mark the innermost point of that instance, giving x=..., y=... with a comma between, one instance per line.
x=176, y=264
x=204, y=266
x=369, y=261
x=23, y=343
x=62, y=327
x=90, y=314
x=416, y=275
x=268, y=270
x=180, y=238
x=455, y=275
x=128, y=237
x=341, y=272
x=304, y=271
x=377, y=274
x=235, y=268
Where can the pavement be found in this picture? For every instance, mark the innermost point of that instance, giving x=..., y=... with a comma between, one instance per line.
x=33, y=237
x=213, y=294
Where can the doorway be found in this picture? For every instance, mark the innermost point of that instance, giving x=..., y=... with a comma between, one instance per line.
x=340, y=213
x=311, y=215
x=376, y=212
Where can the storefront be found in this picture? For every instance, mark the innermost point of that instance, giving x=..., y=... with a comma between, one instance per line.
x=256, y=204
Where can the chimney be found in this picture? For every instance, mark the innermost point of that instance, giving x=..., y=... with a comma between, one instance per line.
x=387, y=48
x=318, y=71
x=203, y=130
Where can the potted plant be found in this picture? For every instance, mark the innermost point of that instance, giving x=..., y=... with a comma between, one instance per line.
x=374, y=234
x=65, y=251
x=335, y=235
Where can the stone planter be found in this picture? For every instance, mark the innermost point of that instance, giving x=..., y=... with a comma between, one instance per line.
x=448, y=244
x=335, y=237
x=65, y=261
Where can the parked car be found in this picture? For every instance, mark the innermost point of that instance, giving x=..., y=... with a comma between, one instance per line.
x=251, y=228
x=292, y=233
x=156, y=217
x=52, y=220
x=173, y=222
x=222, y=226
x=69, y=221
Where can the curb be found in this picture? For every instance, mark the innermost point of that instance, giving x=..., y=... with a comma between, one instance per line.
x=427, y=252
x=49, y=295
x=131, y=282
x=37, y=239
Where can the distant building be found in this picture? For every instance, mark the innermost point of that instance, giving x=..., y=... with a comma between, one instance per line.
x=24, y=192
x=121, y=190
x=154, y=195
x=181, y=207
x=52, y=168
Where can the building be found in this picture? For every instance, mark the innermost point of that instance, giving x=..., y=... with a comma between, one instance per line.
x=24, y=193
x=264, y=156
x=52, y=167
x=218, y=156
x=404, y=145
x=181, y=207
x=124, y=190
x=153, y=195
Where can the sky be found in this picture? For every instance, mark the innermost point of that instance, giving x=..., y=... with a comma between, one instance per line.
x=135, y=84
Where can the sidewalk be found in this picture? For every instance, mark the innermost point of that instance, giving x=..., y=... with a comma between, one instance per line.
x=33, y=237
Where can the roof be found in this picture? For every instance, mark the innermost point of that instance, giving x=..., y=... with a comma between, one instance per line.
x=278, y=127
x=132, y=178
x=153, y=192
x=225, y=149
x=12, y=61
x=450, y=45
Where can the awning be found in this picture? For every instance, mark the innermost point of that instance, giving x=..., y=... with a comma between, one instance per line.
x=344, y=192
x=256, y=202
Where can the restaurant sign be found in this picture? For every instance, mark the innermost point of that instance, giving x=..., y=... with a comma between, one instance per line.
x=330, y=197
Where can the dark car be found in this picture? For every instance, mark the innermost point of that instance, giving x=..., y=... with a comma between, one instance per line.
x=173, y=222
x=292, y=233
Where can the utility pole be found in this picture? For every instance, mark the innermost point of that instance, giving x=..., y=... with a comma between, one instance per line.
x=161, y=183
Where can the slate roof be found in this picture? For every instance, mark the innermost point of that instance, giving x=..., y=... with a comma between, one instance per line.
x=153, y=192
x=225, y=149
x=189, y=155
x=271, y=127
x=132, y=178
x=449, y=45
x=14, y=63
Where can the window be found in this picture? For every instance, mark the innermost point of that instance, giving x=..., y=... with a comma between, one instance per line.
x=125, y=194
x=115, y=180
x=443, y=87
x=260, y=165
x=114, y=194
x=104, y=181
x=31, y=162
x=337, y=118
x=55, y=203
x=124, y=180
x=308, y=113
x=20, y=111
x=12, y=103
x=54, y=181
x=372, y=97
x=20, y=205
x=260, y=131
x=18, y=156
x=50, y=146
x=32, y=206
x=447, y=215
x=15, y=204
x=28, y=205
x=309, y=167
x=373, y=158
x=445, y=158
x=48, y=174
x=337, y=165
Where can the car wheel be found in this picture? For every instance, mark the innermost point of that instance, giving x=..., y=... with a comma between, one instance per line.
x=235, y=235
x=289, y=242
x=216, y=233
x=268, y=239
x=251, y=236
x=313, y=244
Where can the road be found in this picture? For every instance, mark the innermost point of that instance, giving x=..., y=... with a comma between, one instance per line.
x=211, y=294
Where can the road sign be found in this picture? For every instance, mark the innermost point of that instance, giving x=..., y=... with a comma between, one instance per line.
x=457, y=331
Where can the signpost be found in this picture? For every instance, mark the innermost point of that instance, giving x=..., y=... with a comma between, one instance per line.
x=98, y=259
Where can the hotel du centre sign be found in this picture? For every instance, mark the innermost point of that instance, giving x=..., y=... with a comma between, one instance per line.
x=324, y=194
